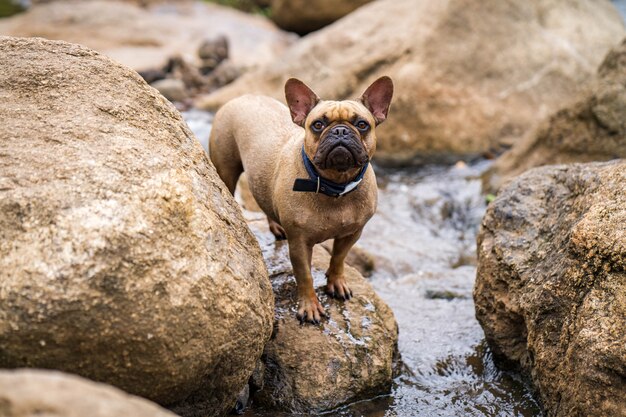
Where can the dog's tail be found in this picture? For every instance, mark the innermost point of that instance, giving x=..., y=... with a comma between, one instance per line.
x=223, y=149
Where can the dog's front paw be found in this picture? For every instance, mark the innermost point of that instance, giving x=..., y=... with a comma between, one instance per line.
x=338, y=288
x=310, y=310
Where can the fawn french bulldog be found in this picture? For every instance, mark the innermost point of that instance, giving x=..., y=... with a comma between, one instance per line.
x=308, y=169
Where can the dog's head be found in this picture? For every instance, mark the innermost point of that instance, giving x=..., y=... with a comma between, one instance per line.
x=340, y=135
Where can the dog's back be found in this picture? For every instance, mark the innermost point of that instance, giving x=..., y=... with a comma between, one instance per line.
x=248, y=133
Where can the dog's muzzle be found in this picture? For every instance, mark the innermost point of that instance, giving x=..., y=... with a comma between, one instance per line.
x=340, y=149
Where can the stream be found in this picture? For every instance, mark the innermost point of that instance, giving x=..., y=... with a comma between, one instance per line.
x=423, y=239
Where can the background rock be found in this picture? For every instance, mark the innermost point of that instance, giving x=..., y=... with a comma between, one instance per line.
x=592, y=129
x=304, y=16
x=122, y=256
x=470, y=76
x=172, y=89
x=35, y=393
x=551, y=284
x=145, y=38
x=348, y=357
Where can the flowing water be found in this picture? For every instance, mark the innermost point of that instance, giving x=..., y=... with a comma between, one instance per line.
x=423, y=238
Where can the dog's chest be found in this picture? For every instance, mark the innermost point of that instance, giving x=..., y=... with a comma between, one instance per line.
x=340, y=220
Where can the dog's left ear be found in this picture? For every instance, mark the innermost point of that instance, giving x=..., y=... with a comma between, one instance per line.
x=377, y=98
x=300, y=99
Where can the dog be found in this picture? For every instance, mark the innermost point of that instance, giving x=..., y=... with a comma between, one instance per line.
x=308, y=168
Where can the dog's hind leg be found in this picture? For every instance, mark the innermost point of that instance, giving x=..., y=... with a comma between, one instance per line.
x=224, y=154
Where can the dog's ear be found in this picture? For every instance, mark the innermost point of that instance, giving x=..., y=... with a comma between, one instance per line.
x=300, y=99
x=377, y=98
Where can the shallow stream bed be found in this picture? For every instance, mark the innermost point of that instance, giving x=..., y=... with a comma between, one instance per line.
x=423, y=239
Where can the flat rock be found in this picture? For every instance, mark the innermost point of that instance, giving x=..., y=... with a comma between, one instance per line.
x=550, y=289
x=591, y=129
x=123, y=258
x=144, y=38
x=470, y=76
x=347, y=357
x=35, y=393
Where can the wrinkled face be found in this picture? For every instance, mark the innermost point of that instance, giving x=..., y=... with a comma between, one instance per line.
x=339, y=135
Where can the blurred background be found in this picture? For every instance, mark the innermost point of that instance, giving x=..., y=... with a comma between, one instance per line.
x=484, y=91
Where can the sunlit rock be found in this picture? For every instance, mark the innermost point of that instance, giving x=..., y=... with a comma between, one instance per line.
x=123, y=258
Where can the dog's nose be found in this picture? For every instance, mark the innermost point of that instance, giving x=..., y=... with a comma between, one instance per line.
x=340, y=130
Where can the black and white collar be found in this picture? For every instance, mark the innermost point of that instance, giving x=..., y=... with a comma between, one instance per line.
x=317, y=184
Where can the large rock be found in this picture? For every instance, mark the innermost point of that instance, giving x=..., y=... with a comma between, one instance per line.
x=348, y=357
x=304, y=16
x=145, y=38
x=470, y=75
x=592, y=129
x=35, y=393
x=551, y=285
x=122, y=256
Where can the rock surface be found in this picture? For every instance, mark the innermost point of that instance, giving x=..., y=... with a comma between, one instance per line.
x=37, y=393
x=592, y=129
x=122, y=256
x=470, y=76
x=304, y=16
x=145, y=38
x=348, y=357
x=551, y=284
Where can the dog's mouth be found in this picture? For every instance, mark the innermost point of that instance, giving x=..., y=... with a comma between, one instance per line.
x=340, y=154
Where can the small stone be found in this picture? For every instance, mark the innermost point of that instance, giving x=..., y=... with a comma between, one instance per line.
x=172, y=89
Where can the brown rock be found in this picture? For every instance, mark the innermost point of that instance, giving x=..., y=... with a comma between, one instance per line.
x=348, y=357
x=304, y=16
x=592, y=129
x=470, y=75
x=145, y=38
x=122, y=256
x=551, y=284
x=37, y=393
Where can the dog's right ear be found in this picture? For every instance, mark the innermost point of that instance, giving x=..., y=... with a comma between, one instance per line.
x=300, y=99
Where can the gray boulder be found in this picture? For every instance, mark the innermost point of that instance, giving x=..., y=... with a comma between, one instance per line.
x=551, y=284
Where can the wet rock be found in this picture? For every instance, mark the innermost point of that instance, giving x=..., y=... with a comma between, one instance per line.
x=171, y=88
x=551, y=284
x=122, y=256
x=348, y=357
x=471, y=76
x=592, y=129
x=145, y=38
x=304, y=16
x=35, y=393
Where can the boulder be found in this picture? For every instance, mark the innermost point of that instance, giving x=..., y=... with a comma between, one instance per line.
x=550, y=289
x=123, y=258
x=471, y=76
x=304, y=16
x=591, y=129
x=144, y=38
x=348, y=357
x=34, y=393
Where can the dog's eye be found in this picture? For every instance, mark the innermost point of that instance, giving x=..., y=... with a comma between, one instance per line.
x=317, y=126
x=362, y=125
